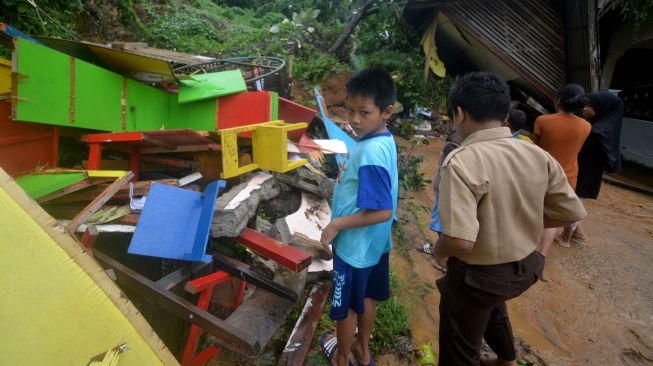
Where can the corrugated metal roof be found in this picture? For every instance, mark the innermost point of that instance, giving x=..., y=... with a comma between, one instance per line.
x=529, y=36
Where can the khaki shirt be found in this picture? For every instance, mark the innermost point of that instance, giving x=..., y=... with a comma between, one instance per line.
x=495, y=191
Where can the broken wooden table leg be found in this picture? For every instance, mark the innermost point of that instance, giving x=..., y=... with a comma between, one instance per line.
x=89, y=237
x=204, y=286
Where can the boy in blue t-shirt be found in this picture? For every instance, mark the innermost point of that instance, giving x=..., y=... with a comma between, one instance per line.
x=364, y=204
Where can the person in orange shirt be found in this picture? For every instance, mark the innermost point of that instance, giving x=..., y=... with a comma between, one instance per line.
x=562, y=135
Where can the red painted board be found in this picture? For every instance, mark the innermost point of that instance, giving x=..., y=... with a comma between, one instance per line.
x=25, y=146
x=282, y=253
x=243, y=109
x=203, y=283
x=291, y=112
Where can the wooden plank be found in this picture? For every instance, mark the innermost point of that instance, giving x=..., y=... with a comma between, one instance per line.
x=179, y=163
x=240, y=340
x=206, y=282
x=299, y=342
x=282, y=253
x=70, y=189
x=237, y=270
x=89, y=237
x=97, y=203
x=182, y=274
x=261, y=314
x=185, y=148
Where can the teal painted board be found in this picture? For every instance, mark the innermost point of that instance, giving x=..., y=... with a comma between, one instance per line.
x=148, y=108
x=211, y=85
x=98, y=95
x=39, y=185
x=198, y=116
x=43, y=88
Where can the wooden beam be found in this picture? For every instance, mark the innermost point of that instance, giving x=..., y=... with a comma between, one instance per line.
x=89, y=237
x=282, y=253
x=206, y=282
x=182, y=274
x=233, y=268
x=97, y=203
x=70, y=189
x=179, y=163
x=239, y=340
x=299, y=343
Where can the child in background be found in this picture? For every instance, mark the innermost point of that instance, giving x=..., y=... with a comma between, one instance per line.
x=517, y=124
x=364, y=203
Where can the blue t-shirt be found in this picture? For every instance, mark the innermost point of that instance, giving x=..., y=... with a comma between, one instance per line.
x=367, y=180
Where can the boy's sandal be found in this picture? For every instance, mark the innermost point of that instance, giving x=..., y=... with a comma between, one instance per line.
x=438, y=267
x=329, y=344
x=579, y=239
x=358, y=363
x=559, y=241
x=426, y=248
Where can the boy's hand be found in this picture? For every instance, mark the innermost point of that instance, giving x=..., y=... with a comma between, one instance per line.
x=329, y=233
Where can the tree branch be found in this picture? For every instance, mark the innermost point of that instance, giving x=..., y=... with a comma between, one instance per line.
x=344, y=36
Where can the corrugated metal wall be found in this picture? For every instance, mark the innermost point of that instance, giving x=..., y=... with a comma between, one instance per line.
x=529, y=36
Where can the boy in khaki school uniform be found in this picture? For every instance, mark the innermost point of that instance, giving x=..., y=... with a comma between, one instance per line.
x=497, y=194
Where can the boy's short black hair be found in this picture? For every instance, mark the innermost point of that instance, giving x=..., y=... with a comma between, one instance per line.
x=484, y=96
x=375, y=83
x=517, y=120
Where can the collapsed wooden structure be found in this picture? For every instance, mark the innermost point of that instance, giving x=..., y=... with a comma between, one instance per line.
x=151, y=133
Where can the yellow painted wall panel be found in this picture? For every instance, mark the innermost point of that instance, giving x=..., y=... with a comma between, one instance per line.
x=52, y=311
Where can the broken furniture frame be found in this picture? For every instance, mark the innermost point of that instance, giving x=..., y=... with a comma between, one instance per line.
x=148, y=142
x=204, y=286
x=269, y=148
x=245, y=331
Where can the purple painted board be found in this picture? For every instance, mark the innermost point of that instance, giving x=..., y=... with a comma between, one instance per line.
x=175, y=223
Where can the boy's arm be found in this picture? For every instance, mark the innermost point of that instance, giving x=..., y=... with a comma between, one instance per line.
x=459, y=221
x=448, y=246
x=359, y=219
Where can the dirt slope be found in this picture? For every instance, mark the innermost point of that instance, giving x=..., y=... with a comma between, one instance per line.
x=595, y=309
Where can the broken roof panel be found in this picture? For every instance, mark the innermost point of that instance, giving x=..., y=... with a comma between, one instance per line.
x=136, y=66
x=527, y=37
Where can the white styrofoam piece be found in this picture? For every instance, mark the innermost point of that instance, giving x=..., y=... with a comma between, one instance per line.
x=312, y=216
x=254, y=183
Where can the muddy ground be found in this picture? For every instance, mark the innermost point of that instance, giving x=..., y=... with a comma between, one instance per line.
x=595, y=309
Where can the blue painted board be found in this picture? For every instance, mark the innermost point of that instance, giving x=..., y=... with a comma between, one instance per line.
x=175, y=223
x=333, y=130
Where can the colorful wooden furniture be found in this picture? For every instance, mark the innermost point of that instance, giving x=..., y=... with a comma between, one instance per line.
x=269, y=145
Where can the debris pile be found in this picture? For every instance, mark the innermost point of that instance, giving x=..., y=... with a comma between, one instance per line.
x=193, y=183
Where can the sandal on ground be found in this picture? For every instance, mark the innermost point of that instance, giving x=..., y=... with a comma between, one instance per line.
x=579, y=239
x=559, y=241
x=426, y=248
x=440, y=268
x=329, y=344
x=358, y=363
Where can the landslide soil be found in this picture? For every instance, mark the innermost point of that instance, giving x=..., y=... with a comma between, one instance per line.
x=596, y=307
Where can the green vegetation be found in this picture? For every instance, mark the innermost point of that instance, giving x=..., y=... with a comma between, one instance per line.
x=411, y=177
x=299, y=31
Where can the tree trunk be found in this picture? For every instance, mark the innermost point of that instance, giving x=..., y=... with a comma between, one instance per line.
x=344, y=36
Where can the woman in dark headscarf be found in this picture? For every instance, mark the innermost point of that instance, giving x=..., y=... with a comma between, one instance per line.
x=601, y=150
